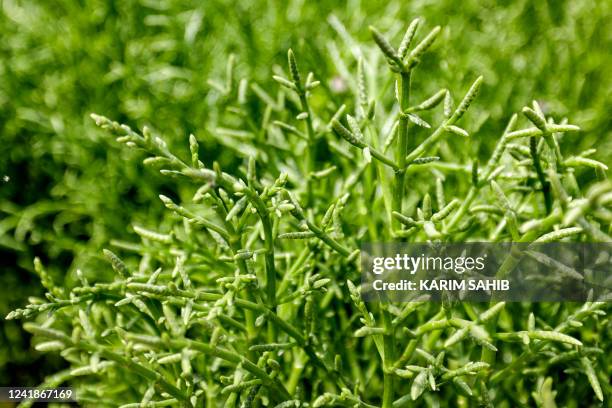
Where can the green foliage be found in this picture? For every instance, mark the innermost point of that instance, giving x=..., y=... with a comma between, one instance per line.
x=235, y=289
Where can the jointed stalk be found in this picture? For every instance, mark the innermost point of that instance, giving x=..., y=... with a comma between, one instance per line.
x=402, y=145
x=234, y=243
x=388, y=359
x=398, y=197
x=301, y=89
x=310, y=151
x=396, y=61
x=533, y=147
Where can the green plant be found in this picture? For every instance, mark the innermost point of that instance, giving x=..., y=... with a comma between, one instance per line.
x=60, y=61
x=133, y=59
x=241, y=298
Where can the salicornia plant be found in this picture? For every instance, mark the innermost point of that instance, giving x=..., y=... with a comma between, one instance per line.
x=248, y=296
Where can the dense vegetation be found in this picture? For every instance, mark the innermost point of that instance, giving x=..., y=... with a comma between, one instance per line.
x=190, y=290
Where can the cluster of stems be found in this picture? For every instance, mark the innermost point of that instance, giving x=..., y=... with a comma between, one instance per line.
x=248, y=299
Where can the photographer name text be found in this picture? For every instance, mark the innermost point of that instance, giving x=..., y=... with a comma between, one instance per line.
x=431, y=285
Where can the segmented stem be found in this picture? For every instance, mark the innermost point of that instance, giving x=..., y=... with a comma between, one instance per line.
x=402, y=147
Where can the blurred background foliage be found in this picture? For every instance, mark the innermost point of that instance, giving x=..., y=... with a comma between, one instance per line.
x=65, y=188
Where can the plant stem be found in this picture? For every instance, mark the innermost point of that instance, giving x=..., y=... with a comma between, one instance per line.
x=269, y=259
x=465, y=204
x=487, y=355
x=327, y=239
x=388, y=357
x=398, y=196
x=309, y=156
x=234, y=243
x=533, y=148
x=270, y=270
x=402, y=146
